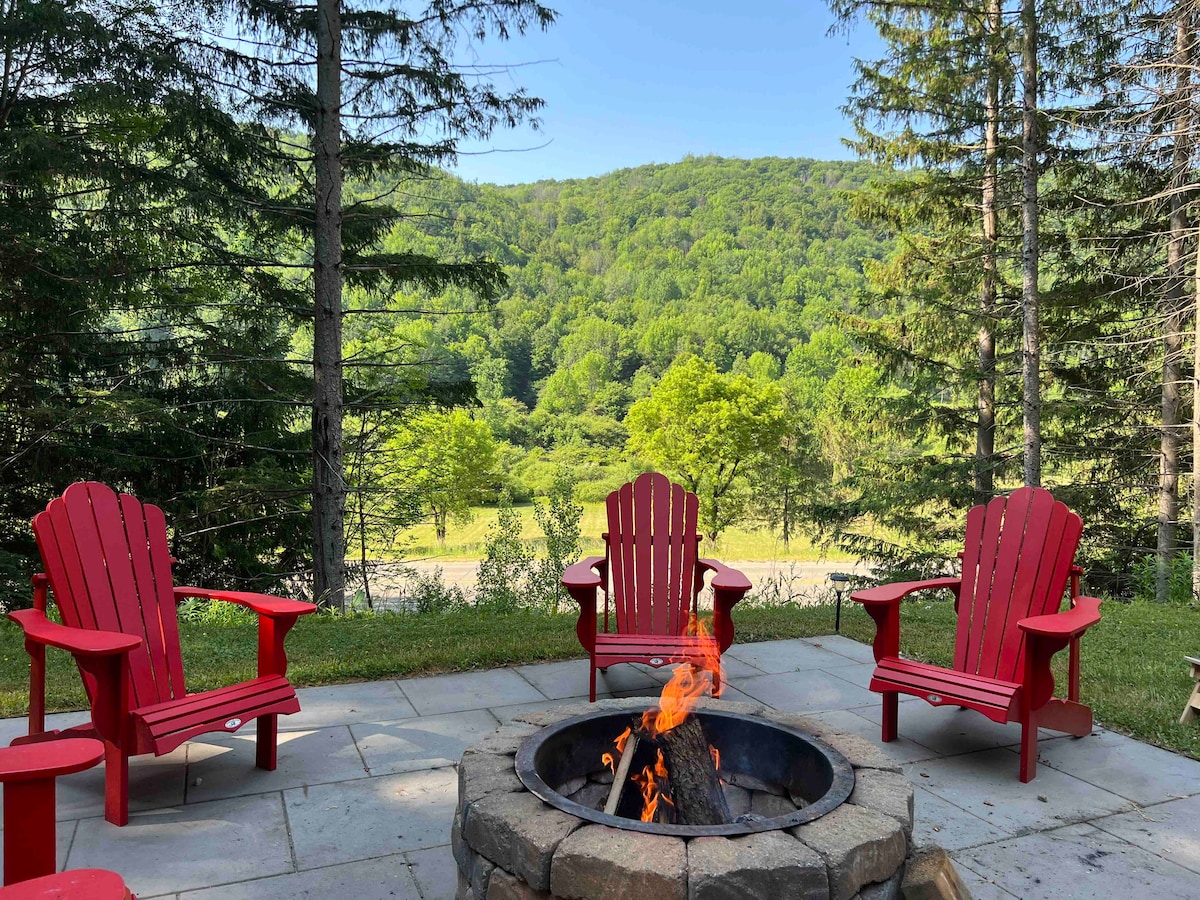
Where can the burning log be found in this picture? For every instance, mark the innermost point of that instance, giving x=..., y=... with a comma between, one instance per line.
x=695, y=787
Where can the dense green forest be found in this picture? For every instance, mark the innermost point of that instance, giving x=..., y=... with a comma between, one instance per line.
x=744, y=266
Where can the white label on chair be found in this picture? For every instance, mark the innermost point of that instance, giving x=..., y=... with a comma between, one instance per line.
x=656, y=660
x=233, y=723
x=935, y=698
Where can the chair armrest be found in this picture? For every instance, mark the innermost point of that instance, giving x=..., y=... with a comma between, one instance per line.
x=263, y=604
x=886, y=594
x=581, y=576
x=78, y=641
x=1067, y=624
x=726, y=578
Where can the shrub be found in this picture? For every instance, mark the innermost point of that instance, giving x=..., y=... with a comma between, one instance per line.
x=1179, y=579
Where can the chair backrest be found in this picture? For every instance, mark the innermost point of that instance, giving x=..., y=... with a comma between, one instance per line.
x=1016, y=562
x=652, y=546
x=109, y=567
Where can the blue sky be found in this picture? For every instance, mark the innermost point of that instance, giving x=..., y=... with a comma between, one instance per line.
x=628, y=82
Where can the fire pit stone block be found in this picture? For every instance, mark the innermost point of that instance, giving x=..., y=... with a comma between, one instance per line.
x=519, y=833
x=505, y=886
x=770, y=864
x=860, y=846
x=600, y=862
x=885, y=792
x=483, y=774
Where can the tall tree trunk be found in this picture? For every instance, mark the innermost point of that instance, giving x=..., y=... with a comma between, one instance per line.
x=1174, y=299
x=985, y=433
x=329, y=486
x=1031, y=351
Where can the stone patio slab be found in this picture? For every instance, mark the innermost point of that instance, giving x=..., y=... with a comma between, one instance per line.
x=386, y=878
x=787, y=656
x=1117, y=763
x=810, y=690
x=938, y=821
x=902, y=750
x=435, y=871
x=982, y=887
x=18, y=726
x=948, y=730
x=505, y=714
x=193, y=846
x=154, y=782
x=425, y=742
x=351, y=820
x=224, y=766
x=569, y=678
x=986, y=785
x=1080, y=861
x=1170, y=830
x=468, y=690
x=845, y=646
x=347, y=704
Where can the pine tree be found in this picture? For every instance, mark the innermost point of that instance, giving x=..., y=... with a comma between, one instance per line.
x=391, y=73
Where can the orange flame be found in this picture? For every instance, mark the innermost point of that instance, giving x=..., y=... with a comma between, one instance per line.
x=651, y=788
x=686, y=686
x=622, y=739
x=716, y=756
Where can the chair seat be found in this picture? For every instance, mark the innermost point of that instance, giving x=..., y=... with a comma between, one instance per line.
x=75, y=884
x=999, y=700
x=161, y=727
x=653, y=649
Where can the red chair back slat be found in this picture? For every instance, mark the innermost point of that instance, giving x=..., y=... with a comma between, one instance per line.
x=652, y=555
x=109, y=568
x=1016, y=562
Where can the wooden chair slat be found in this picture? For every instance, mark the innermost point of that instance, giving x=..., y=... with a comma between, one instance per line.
x=1001, y=597
x=676, y=618
x=164, y=593
x=643, y=543
x=664, y=594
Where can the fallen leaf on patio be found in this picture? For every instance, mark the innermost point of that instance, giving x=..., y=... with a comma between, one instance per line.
x=1042, y=797
x=988, y=803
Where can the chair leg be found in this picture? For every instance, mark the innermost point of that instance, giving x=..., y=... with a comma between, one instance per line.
x=891, y=704
x=592, y=683
x=116, y=784
x=29, y=846
x=267, y=742
x=1029, y=749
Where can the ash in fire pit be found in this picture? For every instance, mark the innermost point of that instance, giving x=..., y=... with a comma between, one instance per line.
x=835, y=813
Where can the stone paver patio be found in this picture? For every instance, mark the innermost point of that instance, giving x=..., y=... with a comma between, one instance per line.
x=363, y=798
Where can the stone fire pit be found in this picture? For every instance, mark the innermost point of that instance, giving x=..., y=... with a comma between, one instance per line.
x=510, y=844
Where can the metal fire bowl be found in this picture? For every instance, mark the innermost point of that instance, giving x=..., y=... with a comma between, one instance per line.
x=776, y=754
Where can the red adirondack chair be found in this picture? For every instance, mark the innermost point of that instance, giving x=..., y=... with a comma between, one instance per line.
x=1018, y=556
x=651, y=551
x=28, y=774
x=108, y=566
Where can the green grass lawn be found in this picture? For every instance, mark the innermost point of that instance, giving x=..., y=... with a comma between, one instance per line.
x=465, y=540
x=1134, y=676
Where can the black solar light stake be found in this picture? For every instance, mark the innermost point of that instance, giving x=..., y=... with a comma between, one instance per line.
x=841, y=582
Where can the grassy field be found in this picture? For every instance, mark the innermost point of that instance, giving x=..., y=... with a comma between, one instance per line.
x=1134, y=676
x=466, y=540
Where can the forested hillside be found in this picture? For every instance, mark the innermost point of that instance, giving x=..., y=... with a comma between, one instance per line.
x=735, y=270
